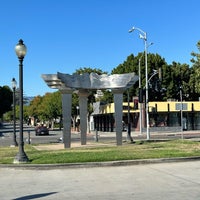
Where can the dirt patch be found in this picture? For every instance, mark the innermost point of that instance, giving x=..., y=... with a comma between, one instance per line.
x=60, y=146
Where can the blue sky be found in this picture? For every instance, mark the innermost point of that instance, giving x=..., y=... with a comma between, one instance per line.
x=64, y=35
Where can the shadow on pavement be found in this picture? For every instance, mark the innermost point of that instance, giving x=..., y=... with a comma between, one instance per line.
x=35, y=196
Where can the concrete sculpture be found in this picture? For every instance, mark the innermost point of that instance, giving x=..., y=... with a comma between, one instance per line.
x=67, y=84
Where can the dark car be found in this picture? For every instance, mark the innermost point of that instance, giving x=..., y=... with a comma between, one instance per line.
x=41, y=130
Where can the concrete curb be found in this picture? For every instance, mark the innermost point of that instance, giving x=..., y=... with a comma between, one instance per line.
x=98, y=164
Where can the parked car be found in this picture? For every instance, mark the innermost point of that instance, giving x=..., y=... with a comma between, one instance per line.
x=41, y=130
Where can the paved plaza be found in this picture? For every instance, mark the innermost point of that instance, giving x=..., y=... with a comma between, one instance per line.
x=166, y=181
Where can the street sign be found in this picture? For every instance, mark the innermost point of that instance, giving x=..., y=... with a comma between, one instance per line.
x=181, y=106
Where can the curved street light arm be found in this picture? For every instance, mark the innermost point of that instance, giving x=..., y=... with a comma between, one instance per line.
x=154, y=73
x=144, y=34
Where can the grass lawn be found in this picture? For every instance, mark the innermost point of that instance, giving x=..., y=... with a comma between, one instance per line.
x=138, y=150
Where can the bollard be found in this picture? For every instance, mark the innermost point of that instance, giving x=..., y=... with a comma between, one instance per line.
x=97, y=136
x=29, y=138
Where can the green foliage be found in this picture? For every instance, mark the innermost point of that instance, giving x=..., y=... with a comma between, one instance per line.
x=75, y=103
x=52, y=105
x=89, y=70
x=35, y=108
x=155, y=62
x=6, y=99
x=47, y=107
x=107, y=97
x=171, y=77
x=8, y=116
x=26, y=112
x=195, y=74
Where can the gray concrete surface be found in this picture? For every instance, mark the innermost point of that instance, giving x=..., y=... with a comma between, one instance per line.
x=166, y=181
x=165, y=133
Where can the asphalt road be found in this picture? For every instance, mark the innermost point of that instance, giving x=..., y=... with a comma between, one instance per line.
x=166, y=181
x=6, y=136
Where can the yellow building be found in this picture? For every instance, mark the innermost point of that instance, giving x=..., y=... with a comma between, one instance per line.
x=161, y=114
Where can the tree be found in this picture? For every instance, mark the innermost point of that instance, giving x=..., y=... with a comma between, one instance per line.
x=89, y=70
x=179, y=78
x=195, y=73
x=157, y=85
x=107, y=97
x=46, y=108
x=131, y=64
x=6, y=98
x=128, y=66
x=52, y=107
x=35, y=108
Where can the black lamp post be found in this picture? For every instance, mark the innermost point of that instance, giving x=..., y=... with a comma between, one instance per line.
x=21, y=50
x=14, y=85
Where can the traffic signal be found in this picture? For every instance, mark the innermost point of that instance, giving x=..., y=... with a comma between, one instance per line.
x=135, y=102
x=140, y=95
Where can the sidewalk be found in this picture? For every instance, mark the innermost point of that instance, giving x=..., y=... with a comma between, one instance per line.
x=109, y=139
x=60, y=146
x=166, y=181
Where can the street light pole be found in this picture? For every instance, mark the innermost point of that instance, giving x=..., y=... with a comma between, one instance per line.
x=143, y=35
x=181, y=99
x=141, y=90
x=147, y=93
x=21, y=50
x=140, y=96
x=14, y=85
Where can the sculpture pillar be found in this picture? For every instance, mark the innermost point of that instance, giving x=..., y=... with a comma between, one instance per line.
x=83, y=94
x=118, y=100
x=66, y=112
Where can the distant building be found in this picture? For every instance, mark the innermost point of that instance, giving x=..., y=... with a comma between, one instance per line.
x=27, y=100
x=161, y=114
